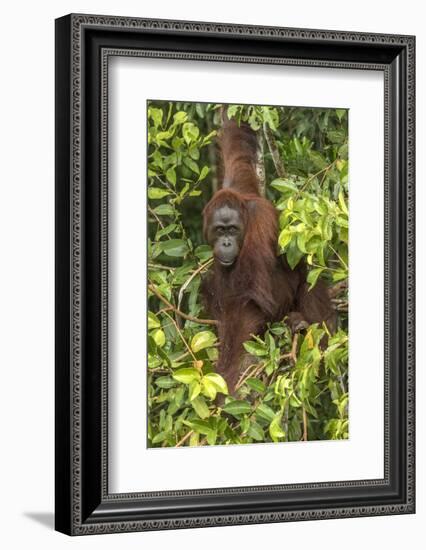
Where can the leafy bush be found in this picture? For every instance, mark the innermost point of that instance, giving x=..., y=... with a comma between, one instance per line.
x=291, y=389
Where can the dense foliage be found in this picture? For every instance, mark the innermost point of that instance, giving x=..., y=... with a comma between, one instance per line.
x=293, y=389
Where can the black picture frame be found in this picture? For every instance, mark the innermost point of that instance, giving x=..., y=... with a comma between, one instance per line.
x=83, y=46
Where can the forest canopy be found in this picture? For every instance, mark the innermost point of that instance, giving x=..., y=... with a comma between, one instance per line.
x=293, y=388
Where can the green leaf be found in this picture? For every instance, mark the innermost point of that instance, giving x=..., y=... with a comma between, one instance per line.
x=294, y=255
x=342, y=203
x=340, y=113
x=200, y=426
x=190, y=132
x=179, y=117
x=313, y=276
x=318, y=160
x=211, y=437
x=165, y=382
x=236, y=408
x=159, y=337
x=298, y=146
x=203, y=252
x=161, y=137
x=164, y=210
x=156, y=115
x=217, y=380
x=208, y=388
x=284, y=185
x=254, y=348
x=200, y=407
x=157, y=193
x=194, y=440
x=191, y=164
x=256, y=432
x=256, y=384
x=294, y=401
x=339, y=276
x=194, y=389
x=194, y=153
x=275, y=429
x=284, y=238
x=202, y=340
x=165, y=231
x=153, y=321
x=203, y=174
x=336, y=136
x=199, y=107
x=342, y=221
x=187, y=375
x=301, y=242
x=174, y=247
x=160, y=437
x=265, y=412
x=171, y=176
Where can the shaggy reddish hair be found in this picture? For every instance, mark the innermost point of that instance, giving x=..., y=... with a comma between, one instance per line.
x=260, y=287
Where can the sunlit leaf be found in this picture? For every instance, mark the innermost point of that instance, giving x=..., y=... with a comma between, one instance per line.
x=313, y=275
x=200, y=407
x=171, y=176
x=159, y=337
x=265, y=412
x=153, y=321
x=157, y=193
x=194, y=389
x=217, y=380
x=202, y=340
x=275, y=429
x=186, y=375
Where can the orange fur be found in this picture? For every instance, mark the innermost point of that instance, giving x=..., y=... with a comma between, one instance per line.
x=260, y=287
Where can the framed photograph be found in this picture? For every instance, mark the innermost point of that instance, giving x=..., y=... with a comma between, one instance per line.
x=234, y=274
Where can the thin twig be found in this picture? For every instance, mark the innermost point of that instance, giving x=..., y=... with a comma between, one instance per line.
x=273, y=149
x=305, y=425
x=188, y=281
x=345, y=265
x=159, y=266
x=243, y=376
x=181, y=336
x=311, y=178
x=158, y=370
x=184, y=438
x=293, y=353
x=253, y=374
x=151, y=211
x=154, y=289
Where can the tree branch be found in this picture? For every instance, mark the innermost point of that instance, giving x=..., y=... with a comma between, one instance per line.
x=155, y=291
x=260, y=165
x=273, y=149
x=184, y=438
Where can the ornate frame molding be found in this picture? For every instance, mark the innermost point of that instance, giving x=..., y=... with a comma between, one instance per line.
x=76, y=510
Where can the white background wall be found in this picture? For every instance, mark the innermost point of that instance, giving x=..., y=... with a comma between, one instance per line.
x=27, y=267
